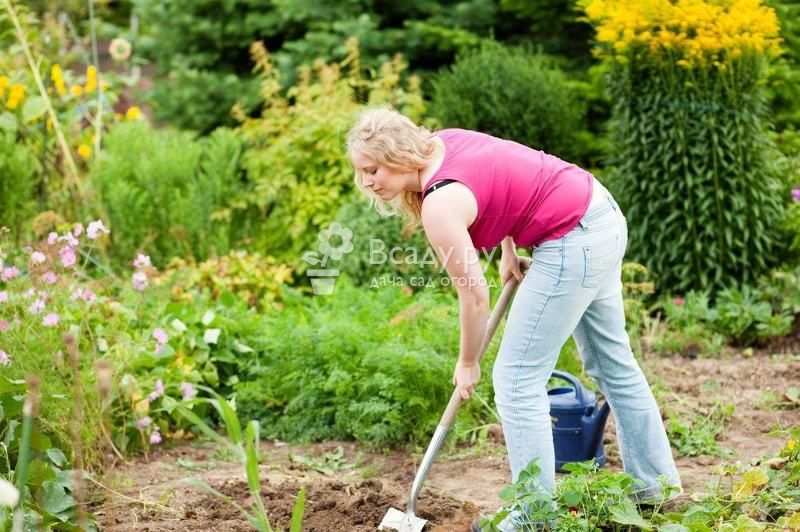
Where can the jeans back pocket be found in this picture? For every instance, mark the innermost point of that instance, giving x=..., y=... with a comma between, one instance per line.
x=599, y=259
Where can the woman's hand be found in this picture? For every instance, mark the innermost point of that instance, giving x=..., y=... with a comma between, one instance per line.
x=512, y=265
x=465, y=377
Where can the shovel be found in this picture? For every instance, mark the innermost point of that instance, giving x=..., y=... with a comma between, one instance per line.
x=407, y=521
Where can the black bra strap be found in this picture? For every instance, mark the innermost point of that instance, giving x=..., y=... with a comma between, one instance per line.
x=437, y=185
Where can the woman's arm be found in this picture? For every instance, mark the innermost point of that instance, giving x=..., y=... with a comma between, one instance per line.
x=446, y=230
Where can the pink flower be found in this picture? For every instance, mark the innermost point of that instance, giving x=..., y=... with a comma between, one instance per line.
x=10, y=273
x=78, y=230
x=37, y=257
x=141, y=261
x=4, y=360
x=3, y=325
x=3, y=296
x=155, y=437
x=679, y=301
x=96, y=229
x=83, y=293
x=68, y=257
x=50, y=278
x=52, y=238
x=140, y=281
x=160, y=336
x=157, y=392
x=36, y=307
x=69, y=239
x=187, y=390
x=51, y=320
x=144, y=422
x=796, y=194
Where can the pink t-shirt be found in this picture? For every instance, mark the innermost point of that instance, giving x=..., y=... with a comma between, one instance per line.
x=521, y=192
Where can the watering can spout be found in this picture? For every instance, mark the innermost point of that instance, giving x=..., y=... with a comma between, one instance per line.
x=593, y=423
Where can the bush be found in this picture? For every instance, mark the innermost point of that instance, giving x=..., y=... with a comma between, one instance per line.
x=511, y=94
x=165, y=193
x=295, y=157
x=692, y=164
x=415, y=261
x=371, y=365
x=17, y=184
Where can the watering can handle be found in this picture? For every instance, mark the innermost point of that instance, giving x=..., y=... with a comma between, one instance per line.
x=573, y=380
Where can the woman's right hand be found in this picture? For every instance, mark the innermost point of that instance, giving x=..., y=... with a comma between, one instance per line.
x=512, y=265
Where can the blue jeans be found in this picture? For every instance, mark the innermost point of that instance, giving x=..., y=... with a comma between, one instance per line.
x=574, y=286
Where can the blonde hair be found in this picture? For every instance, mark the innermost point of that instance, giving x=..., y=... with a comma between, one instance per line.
x=392, y=139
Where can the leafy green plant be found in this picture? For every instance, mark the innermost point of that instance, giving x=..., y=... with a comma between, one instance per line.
x=696, y=433
x=512, y=94
x=692, y=163
x=17, y=185
x=251, y=277
x=244, y=447
x=175, y=201
x=294, y=157
x=37, y=468
x=589, y=498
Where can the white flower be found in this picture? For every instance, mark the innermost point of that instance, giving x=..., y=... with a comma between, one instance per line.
x=69, y=239
x=37, y=257
x=9, y=496
x=141, y=261
x=95, y=229
x=52, y=237
x=139, y=281
x=119, y=49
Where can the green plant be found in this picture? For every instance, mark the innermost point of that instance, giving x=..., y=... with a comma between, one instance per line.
x=765, y=496
x=37, y=468
x=696, y=433
x=174, y=202
x=589, y=498
x=17, y=185
x=380, y=249
x=245, y=448
x=294, y=157
x=692, y=163
x=512, y=94
x=253, y=278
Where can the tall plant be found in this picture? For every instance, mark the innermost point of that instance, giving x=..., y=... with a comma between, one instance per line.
x=692, y=163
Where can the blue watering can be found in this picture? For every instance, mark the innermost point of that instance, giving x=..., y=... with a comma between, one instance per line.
x=578, y=423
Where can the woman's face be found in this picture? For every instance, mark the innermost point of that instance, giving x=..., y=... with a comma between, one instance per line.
x=384, y=181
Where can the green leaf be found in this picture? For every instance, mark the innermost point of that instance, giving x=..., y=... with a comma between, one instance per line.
x=8, y=122
x=56, y=500
x=298, y=511
x=57, y=456
x=33, y=108
x=211, y=336
x=625, y=513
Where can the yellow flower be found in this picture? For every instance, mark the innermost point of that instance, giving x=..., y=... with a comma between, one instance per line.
x=790, y=444
x=91, y=79
x=84, y=151
x=3, y=82
x=16, y=95
x=133, y=113
x=76, y=90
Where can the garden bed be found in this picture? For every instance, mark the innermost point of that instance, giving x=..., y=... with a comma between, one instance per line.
x=349, y=487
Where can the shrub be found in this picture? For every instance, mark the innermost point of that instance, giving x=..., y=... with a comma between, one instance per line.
x=374, y=238
x=295, y=157
x=511, y=94
x=371, y=365
x=168, y=194
x=17, y=184
x=692, y=163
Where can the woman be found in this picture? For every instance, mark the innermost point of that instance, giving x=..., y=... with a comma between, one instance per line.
x=473, y=191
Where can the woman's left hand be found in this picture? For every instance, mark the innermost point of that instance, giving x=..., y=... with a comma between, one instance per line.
x=465, y=377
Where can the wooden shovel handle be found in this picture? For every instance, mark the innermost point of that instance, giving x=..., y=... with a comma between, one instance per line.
x=494, y=320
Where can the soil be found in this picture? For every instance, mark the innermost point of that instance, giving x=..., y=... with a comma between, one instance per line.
x=354, y=488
